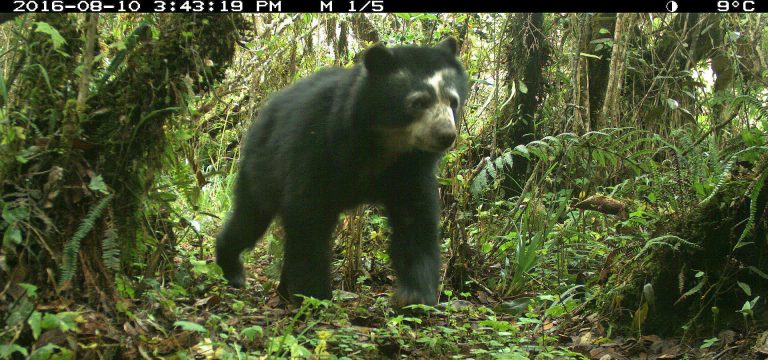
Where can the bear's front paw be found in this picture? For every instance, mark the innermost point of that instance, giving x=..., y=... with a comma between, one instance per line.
x=288, y=293
x=404, y=297
x=236, y=280
x=235, y=274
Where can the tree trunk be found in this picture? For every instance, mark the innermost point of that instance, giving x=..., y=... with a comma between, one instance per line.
x=592, y=60
x=81, y=196
x=525, y=61
x=611, y=114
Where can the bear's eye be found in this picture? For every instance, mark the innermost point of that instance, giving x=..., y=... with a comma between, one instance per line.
x=419, y=102
x=454, y=102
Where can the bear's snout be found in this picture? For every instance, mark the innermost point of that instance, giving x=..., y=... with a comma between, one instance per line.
x=444, y=136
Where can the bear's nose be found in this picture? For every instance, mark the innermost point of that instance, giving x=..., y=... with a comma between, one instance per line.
x=445, y=137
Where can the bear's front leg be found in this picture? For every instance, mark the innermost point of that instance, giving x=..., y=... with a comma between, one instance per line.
x=414, y=248
x=307, y=256
x=245, y=226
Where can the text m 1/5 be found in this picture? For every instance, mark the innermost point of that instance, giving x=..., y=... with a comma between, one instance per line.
x=372, y=6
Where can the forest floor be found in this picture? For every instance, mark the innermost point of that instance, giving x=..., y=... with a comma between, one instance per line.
x=198, y=316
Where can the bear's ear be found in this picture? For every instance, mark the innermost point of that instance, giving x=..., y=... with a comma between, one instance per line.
x=379, y=60
x=449, y=44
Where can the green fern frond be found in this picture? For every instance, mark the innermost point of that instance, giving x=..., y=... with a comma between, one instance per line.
x=69, y=261
x=670, y=241
x=756, y=189
x=110, y=250
x=479, y=183
x=758, y=105
x=720, y=182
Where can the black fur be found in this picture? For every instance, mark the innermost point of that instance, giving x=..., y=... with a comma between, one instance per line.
x=324, y=145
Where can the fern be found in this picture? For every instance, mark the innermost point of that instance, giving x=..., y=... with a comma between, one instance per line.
x=110, y=250
x=604, y=147
x=69, y=261
x=522, y=150
x=727, y=170
x=720, y=182
x=756, y=189
x=760, y=107
x=479, y=183
x=670, y=241
x=490, y=172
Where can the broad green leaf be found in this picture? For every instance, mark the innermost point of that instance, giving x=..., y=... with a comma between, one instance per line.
x=709, y=342
x=7, y=350
x=64, y=321
x=300, y=352
x=491, y=169
x=673, y=104
x=51, y=352
x=745, y=287
x=479, y=183
x=11, y=215
x=31, y=289
x=540, y=153
x=45, y=28
x=758, y=272
x=190, y=326
x=12, y=236
x=746, y=309
x=35, y=323
x=27, y=154
x=522, y=151
x=525, y=320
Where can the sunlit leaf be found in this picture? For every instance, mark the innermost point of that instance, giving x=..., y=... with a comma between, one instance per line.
x=190, y=326
x=45, y=28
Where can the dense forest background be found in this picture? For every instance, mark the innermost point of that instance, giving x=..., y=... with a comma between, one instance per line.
x=605, y=199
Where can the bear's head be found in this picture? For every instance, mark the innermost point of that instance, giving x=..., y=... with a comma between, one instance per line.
x=411, y=97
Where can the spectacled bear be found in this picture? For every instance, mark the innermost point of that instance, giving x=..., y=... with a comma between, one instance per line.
x=373, y=133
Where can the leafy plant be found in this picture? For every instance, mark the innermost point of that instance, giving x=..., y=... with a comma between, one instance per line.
x=72, y=247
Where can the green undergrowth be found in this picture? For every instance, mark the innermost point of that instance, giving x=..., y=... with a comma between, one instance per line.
x=195, y=315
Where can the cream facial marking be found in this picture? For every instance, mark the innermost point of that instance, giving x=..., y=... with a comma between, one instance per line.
x=415, y=97
x=453, y=96
x=435, y=128
x=436, y=80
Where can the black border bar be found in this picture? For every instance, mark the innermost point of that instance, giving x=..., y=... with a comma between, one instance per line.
x=386, y=6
